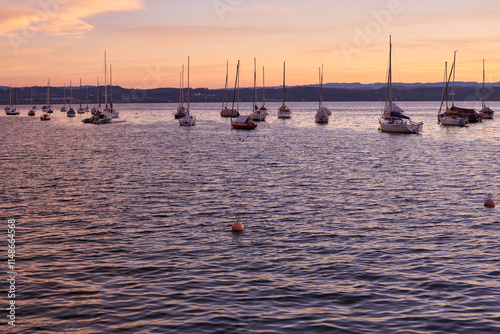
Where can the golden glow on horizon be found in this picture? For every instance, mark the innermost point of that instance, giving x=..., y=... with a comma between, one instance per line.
x=148, y=41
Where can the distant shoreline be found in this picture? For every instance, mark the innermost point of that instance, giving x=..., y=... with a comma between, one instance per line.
x=465, y=91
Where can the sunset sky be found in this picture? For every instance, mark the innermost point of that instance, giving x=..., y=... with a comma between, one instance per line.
x=147, y=41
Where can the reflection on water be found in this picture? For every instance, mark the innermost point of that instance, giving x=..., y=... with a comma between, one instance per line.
x=127, y=227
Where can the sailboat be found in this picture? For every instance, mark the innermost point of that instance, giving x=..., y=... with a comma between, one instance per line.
x=12, y=109
x=188, y=119
x=81, y=110
x=284, y=111
x=32, y=110
x=393, y=118
x=48, y=108
x=71, y=112
x=242, y=122
x=260, y=114
x=454, y=115
x=96, y=110
x=87, y=107
x=225, y=112
x=485, y=112
x=109, y=114
x=181, y=110
x=323, y=112
x=64, y=109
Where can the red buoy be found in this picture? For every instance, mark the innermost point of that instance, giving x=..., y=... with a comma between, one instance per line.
x=238, y=227
x=490, y=203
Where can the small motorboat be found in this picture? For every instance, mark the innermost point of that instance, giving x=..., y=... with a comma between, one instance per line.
x=45, y=117
x=243, y=122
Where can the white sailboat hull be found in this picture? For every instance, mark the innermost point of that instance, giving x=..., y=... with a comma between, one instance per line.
x=187, y=120
x=400, y=126
x=284, y=112
x=259, y=115
x=452, y=120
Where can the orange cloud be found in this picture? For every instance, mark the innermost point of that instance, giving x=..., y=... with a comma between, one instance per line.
x=58, y=17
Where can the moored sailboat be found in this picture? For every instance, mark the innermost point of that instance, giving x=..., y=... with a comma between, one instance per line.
x=485, y=112
x=242, y=122
x=393, y=118
x=323, y=112
x=71, y=112
x=81, y=110
x=48, y=108
x=32, y=110
x=451, y=116
x=225, y=112
x=64, y=109
x=259, y=114
x=284, y=111
x=188, y=119
x=181, y=110
x=11, y=109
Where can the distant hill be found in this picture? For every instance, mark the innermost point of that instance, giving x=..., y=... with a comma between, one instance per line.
x=331, y=92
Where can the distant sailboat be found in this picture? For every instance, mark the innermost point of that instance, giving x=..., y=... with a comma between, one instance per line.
x=225, y=112
x=452, y=116
x=181, y=110
x=87, y=107
x=81, y=110
x=32, y=110
x=48, y=108
x=486, y=112
x=109, y=114
x=64, y=109
x=188, y=119
x=323, y=113
x=284, y=111
x=259, y=114
x=11, y=109
x=393, y=118
x=242, y=122
x=70, y=112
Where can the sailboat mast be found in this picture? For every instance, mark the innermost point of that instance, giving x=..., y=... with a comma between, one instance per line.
x=225, y=86
x=111, y=86
x=254, y=83
x=483, y=86
x=390, y=72
x=10, y=96
x=70, y=94
x=80, y=92
x=188, y=88
x=105, y=81
x=283, y=83
x=446, y=90
x=263, y=87
x=48, y=94
x=235, y=87
x=454, y=59
x=182, y=87
x=98, y=93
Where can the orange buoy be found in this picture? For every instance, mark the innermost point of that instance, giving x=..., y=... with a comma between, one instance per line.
x=238, y=227
x=490, y=203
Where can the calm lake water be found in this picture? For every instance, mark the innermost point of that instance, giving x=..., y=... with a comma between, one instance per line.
x=126, y=228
